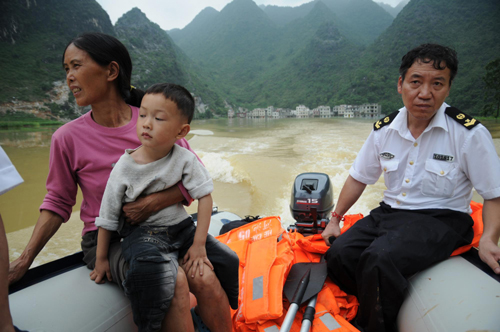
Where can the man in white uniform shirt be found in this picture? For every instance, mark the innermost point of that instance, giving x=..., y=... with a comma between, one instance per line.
x=431, y=155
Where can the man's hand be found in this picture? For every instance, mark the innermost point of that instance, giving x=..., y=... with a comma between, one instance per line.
x=17, y=269
x=332, y=229
x=489, y=252
x=138, y=211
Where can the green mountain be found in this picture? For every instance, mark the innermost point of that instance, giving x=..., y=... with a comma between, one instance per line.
x=319, y=53
x=34, y=35
x=281, y=16
x=157, y=59
x=361, y=21
x=198, y=24
x=471, y=28
x=394, y=11
x=317, y=75
x=332, y=70
x=244, y=46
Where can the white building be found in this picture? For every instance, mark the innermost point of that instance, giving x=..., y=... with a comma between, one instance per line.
x=325, y=112
x=302, y=111
x=269, y=111
x=370, y=111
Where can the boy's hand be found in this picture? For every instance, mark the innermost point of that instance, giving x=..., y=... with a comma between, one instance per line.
x=101, y=269
x=194, y=259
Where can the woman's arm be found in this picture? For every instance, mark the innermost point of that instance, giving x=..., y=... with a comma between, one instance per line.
x=138, y=211
x=47, y=225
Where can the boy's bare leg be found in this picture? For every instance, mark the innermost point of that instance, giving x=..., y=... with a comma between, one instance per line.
x=213, y=305
x=178, y=317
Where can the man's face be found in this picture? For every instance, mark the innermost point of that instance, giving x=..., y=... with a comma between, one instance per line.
x=424, y=90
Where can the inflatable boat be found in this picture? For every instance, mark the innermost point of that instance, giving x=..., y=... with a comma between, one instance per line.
x=459, y=294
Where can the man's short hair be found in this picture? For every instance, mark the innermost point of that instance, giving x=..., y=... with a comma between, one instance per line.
x=441, y=57
x=178, y=94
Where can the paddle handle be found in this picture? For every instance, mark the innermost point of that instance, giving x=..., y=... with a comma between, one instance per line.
x=290, y=316
x=309, y=315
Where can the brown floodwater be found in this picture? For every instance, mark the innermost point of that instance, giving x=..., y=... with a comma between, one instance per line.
x=253, y=163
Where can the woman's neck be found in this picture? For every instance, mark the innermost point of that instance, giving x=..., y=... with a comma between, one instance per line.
x=113, y=113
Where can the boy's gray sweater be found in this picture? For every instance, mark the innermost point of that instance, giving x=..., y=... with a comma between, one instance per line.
x=129, y=180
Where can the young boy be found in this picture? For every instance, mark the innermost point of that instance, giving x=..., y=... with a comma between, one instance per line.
x=153, y=248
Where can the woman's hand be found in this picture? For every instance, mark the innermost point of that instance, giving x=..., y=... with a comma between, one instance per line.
x=138, y=211
x=194, y=259
x=101, y=269
x=17, y=269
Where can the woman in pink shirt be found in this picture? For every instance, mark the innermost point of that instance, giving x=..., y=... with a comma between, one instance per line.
x=98, y=72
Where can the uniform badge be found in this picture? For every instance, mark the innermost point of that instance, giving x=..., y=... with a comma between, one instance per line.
x=386, y=155
x=462, y=118
x=385, y=121
x=443, y=157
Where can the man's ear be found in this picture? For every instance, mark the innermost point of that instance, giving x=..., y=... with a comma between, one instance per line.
x=400, y=84
x=183, y=131
x=113, y=70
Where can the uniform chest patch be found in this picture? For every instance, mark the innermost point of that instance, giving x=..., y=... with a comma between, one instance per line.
x=386, y=155
x=443, y=157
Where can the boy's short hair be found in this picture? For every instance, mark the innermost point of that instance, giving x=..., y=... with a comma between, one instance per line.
x=178, y=94
x=431, y=53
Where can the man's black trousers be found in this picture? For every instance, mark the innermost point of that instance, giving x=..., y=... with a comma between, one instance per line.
x=374, y=258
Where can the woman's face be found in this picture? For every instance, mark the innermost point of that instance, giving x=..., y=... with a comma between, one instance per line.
x=88, y=81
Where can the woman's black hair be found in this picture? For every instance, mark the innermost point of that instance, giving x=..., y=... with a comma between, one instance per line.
x=104, y=49
x=440, y=56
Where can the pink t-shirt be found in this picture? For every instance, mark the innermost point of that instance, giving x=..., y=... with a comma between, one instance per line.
x=82, y=153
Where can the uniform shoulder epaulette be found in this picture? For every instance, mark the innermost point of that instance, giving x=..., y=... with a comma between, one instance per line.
x=385, y=121
x=465, y=120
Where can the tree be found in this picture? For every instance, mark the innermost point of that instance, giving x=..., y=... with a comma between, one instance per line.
x=492, y=81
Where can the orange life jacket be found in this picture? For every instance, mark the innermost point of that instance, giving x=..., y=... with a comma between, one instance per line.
x=266, y=253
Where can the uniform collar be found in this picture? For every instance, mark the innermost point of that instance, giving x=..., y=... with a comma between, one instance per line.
x=400, y=122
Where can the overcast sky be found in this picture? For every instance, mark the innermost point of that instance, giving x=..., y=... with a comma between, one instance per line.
x=170, y=14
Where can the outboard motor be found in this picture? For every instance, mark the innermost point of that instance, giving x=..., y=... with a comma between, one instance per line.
x=311, y=202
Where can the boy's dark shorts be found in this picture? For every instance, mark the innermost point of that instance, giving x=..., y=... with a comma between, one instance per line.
x=224, y=260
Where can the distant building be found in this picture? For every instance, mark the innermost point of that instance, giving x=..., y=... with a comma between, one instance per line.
x=325, y=112
x=269, y=111
x=302, y=111
x=346, y=111
x=370, y=111
x=242, y=112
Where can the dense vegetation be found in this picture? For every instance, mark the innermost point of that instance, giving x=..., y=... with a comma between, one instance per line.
x=323, y=52
x=17, y=120
x=306, y=55
x=36, y=33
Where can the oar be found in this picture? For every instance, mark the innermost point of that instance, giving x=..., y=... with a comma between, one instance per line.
x=311, y=306
x=304, y=281
x=309, y=315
